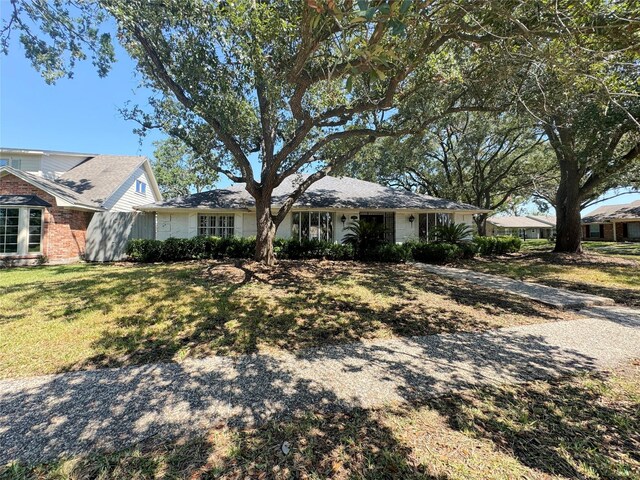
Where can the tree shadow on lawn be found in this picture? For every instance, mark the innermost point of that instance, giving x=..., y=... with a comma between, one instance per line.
x=541, y=268
x=48, y=417
x=302, y=306
x=564, y=427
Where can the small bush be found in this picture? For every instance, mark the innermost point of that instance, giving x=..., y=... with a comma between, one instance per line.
x=145, y=251
x=497, y=245
x=437, y=252
x=393, y=253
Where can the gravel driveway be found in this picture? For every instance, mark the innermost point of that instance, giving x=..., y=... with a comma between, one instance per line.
x=44, y=417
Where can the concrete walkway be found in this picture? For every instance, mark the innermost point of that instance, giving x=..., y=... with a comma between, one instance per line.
x=556, y=297
x=44, y=417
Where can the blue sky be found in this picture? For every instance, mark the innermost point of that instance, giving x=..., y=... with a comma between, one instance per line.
x=81, y=114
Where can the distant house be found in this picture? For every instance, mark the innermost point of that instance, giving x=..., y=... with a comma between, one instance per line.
x=323, y=212
x=526, y=227
x=51, y=202
x=613, y=223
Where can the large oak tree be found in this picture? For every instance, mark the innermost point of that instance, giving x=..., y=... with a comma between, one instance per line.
x=265, y=90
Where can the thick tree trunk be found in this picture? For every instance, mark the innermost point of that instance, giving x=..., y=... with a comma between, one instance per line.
x=481, y=224
x=266, y=233
x=568, y=224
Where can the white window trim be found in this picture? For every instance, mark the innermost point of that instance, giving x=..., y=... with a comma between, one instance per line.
x=143, y=187
x=229, y=230
x=23, y=231
x=437, y=222
x=319, y=212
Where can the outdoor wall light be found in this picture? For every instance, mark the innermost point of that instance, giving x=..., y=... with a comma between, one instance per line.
x=411, y=219
x=343, y=219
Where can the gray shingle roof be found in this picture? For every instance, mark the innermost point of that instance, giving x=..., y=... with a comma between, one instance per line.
x=97, y=178
x=91, y=182
x=328, y=192
x=522, y=222
x=23, y=201
x=614, y=212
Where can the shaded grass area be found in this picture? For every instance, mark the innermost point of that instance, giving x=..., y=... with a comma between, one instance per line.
x=596, y=274
x=586, y=426
x=55, y=319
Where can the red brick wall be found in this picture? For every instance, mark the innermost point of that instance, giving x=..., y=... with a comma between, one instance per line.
x=64, y=235
x=608, y=233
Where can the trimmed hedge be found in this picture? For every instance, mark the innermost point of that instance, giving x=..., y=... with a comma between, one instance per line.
x=180, y=249
x=497, y=245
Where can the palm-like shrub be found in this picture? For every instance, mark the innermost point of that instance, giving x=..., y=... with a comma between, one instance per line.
x=452, y=233
x=364, y=237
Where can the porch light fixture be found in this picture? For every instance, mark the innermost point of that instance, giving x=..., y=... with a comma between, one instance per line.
x=343, y=219
x=411, y=219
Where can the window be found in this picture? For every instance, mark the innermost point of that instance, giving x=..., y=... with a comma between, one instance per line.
x=428, y=221
x=633, y=230
x=216, y=225
x=9, y=228
x=141, y=187
x=312, y=226
x=594, y=230
x=35, y=230
x=20, y=230
x=11, y=162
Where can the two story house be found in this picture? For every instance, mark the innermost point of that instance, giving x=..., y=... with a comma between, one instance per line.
x=51, y=202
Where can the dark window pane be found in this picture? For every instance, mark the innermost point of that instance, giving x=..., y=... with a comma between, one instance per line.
x=304, y=225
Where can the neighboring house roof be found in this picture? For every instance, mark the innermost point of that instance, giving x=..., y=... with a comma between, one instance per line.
x=532, y=221
x=23, y=201
x=96, y=179
x=92, y=182
x=328, y=192
x=609, y=213
x=548, y=219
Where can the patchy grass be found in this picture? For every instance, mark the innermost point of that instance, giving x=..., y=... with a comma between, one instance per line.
x=614, y=277
x=582, y=427
x=61, y=318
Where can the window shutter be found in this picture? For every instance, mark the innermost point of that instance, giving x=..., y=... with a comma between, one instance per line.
x=625, y=230
x=602, y=230
x=586, y=231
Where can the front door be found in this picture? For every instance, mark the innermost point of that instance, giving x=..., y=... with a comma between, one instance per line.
x=387, y=220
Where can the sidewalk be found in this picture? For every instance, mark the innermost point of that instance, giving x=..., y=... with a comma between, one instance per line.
x=44, y=417
x=556, y=297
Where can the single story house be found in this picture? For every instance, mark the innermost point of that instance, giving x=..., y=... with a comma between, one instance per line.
x=613, y=223
x=50, y=200
x=323, y=212
x=525, y=227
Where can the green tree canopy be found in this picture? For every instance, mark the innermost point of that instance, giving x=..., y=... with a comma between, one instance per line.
x=179, y=171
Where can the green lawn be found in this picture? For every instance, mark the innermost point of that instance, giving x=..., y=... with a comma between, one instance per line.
x=619, y=249
x=60, y=318
x=597, y=273
x=581, y=427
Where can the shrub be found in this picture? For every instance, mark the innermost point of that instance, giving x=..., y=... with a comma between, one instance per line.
x=146, y=251
x=452, y=233
x=365, y=238
x=176, y=249
x=393, y=253
x=469, y=249
x=497, y=245
x=437, y=252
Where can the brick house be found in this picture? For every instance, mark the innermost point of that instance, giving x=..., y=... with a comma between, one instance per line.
x=48, y=200
x=613, y=223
